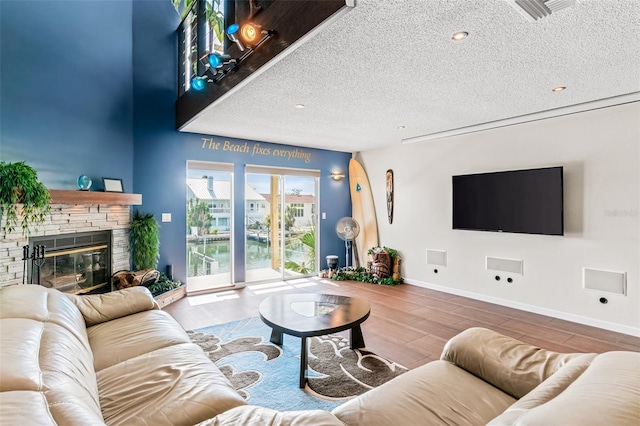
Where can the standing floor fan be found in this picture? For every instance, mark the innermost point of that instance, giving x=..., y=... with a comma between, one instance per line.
x=348, y=229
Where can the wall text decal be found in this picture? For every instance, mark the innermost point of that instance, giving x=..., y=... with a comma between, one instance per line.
x=255, y=149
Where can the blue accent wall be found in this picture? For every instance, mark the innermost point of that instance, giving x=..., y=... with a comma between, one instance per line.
x=89, y=86
x=162, y=153
x=66, y=92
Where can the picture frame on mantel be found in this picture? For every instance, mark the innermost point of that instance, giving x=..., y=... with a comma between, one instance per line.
x=112, y=185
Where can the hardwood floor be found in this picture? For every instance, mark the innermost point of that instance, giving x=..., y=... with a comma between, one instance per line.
x=409, y=324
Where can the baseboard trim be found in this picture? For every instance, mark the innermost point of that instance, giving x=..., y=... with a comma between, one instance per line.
x=529, y=308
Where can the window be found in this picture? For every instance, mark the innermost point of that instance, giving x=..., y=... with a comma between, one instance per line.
x=298, y=209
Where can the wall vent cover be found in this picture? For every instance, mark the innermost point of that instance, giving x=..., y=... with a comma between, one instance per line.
x=437, y=257
x=533, y=10
x=602, y=280
x=515, y=266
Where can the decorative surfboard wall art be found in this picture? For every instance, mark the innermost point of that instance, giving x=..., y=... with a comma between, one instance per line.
x=389, y=181
x=363, y=211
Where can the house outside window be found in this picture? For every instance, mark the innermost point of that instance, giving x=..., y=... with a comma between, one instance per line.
x=298, y=209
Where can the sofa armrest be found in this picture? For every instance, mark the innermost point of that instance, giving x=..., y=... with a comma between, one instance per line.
x=98, y=308
x=606, y=393
x=545, y=392
x=513, y=366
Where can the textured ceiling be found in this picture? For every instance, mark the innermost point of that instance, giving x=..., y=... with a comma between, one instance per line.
x=388, y=63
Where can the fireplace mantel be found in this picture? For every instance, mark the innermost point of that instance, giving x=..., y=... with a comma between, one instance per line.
x=63, y=196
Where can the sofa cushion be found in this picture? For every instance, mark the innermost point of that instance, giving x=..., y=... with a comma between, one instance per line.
x=509, y=364
x=254, y=415
x=47, y=364
x=32, y=408
x=128, y=337
x=98, y=308
x=175, y=385
x=435, y=393
x=606, y=393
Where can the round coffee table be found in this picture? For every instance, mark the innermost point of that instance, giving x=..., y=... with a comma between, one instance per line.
x=307, y=315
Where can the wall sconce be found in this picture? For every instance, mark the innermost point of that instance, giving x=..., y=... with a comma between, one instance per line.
x=337, y=175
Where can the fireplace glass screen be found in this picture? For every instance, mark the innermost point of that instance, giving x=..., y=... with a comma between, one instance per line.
x=75, y=269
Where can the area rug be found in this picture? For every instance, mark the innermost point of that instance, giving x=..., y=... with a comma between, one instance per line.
x=267, y=375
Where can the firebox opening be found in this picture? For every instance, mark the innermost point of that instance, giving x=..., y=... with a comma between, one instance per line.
x=73, y=263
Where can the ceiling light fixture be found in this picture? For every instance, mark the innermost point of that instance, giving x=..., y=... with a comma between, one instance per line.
x=559, y=89
x=217, y=66
x=459, y=36
x=299, y=106
x=215, y=60
x=249, y=32
x=400, y=127
x=232, y=33
x=198, y=83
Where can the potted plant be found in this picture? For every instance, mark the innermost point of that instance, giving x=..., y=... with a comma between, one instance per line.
x=145, y=240
x=19, y=184
x=163, y=285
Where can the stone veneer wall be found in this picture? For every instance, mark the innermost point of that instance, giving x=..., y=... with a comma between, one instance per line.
x=68, y=219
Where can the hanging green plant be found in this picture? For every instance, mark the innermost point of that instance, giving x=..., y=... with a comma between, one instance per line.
x=144, y=234
x=19, y=184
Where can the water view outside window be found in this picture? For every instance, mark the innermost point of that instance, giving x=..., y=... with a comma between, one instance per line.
x=287, y=232
x=209, y=218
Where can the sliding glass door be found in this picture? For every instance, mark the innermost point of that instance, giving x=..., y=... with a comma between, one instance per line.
x=280, y=223
x=209, y=226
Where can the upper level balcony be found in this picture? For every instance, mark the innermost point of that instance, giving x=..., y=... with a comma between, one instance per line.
x=223, y=44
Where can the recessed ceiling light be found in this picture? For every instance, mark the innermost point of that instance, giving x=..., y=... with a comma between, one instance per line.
x=299, y=106
x=559, y=89
x=400, y=127
x=459, y=36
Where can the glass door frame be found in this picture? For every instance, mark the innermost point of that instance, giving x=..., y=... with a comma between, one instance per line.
x=215, y=167
x=281, y=174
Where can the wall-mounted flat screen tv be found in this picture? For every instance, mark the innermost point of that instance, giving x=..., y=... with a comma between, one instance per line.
x=519, y=201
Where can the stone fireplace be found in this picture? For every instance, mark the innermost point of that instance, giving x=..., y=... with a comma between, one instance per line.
x=71, y=221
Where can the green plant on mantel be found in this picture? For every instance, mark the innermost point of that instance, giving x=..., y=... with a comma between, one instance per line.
x=19, y=184
x=145, y=240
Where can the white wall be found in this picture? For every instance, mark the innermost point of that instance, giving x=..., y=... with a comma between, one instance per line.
x=600, y=153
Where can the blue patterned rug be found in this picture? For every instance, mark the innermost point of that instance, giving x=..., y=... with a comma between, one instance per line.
x=267, y=375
